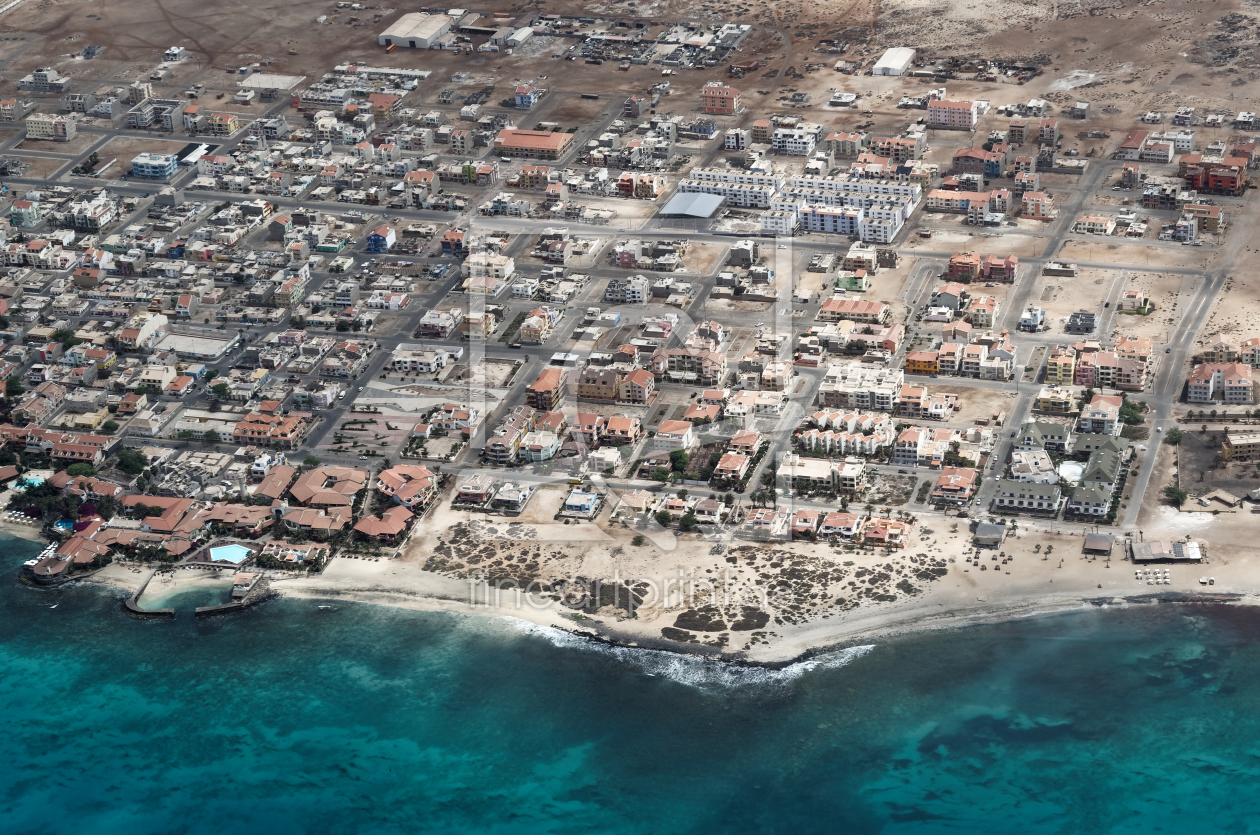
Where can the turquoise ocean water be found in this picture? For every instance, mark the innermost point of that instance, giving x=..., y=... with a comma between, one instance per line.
x=290, y=719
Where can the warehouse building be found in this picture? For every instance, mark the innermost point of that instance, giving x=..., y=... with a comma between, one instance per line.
x=416, y=30
x=894, y=61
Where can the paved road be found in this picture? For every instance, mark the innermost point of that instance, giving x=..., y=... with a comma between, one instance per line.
x=780, y=318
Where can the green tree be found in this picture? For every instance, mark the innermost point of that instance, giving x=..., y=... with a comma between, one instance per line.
x=664, y=518
x=211, y=437
x=1173, y=436
x=1177, y=497
x=688, y=522
x=678, y=459
x=107, y=507
x=13, y=387
x=221, y=390
x=66, y=337
x=184, y=435
x=639, y=540
x=110, y=426
x=311, y=461
x=76, y=470
x=131, y=461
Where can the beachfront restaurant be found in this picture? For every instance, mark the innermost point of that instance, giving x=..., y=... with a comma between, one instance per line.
x=1165, y=551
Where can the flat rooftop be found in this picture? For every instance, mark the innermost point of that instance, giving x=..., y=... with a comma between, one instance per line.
x=196, y=346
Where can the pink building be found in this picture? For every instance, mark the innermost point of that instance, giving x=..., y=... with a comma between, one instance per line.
x=719, y=100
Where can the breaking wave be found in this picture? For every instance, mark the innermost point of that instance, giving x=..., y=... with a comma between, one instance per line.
x=695, y=671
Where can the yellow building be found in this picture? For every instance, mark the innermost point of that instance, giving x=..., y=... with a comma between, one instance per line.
x=922, y=362
x=1244, y=446
x=223, y=124
x=90, y=420
x=1055, y=399
x=1061, y=370
x=478, y=327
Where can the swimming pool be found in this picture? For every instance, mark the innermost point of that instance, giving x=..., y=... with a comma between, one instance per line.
x=235, y=554
x=27, y=482
x=1072, y=471
x=64, y=525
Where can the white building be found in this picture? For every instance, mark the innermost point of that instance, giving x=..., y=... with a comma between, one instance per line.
x=744, y=195
x=797, y=141
x=895, y=61
x=416, y=30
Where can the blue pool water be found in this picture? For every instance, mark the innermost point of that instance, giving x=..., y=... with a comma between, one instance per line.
x=31, y=481
x=366, y=719
x=231, y=553
x=63, y=525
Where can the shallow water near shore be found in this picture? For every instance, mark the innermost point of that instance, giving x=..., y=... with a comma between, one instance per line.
x=293, y=718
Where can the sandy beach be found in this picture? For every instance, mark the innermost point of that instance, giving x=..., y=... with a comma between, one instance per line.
x=31, y=532
x=166, y=584
x=844, y=597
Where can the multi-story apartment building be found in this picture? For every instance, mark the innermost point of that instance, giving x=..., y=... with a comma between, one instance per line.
x=1028, y=496
x=547, y=392
x=51, y=127
x=861, y=386
x=1241, y=446
x=947, y=114
x=1101, y=416
x=1229, y=383
x=599, y=384
x=154, y=166
x=796, y=141
x=1037, y=205
x=717, y=99
x=742, y=195
x=632, y=290
x=1061, y=366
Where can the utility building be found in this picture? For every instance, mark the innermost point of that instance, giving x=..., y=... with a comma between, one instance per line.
x=416, y=30
x=894, y=61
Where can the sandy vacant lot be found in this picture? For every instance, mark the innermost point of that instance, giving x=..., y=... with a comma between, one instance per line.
x=41, y=166
x=887, y=284
x=975, y=403
x=1134, y=253
x=1237, y=310
x=78, y=145
x=1061, y=296
x=1170, y=292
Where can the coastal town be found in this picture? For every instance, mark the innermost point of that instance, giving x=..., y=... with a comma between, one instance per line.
x=496, y=303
